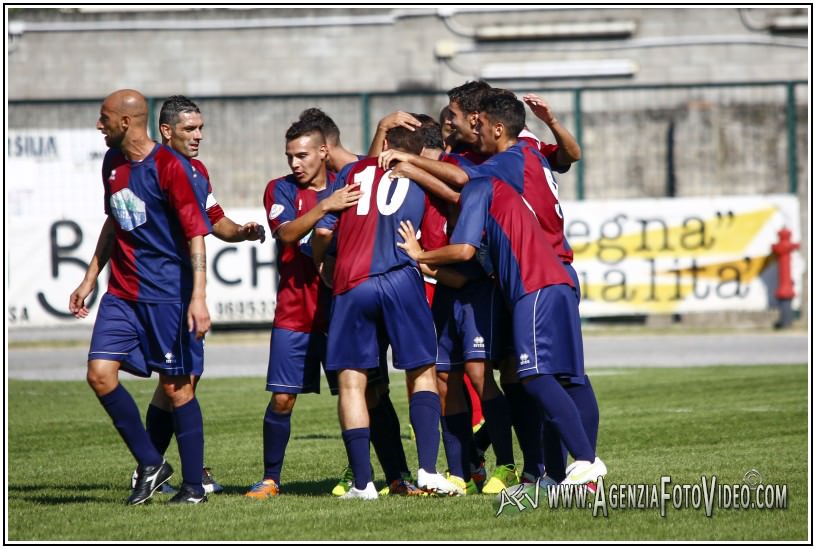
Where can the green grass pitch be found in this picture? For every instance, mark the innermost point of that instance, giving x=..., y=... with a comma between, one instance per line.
x=68, y=471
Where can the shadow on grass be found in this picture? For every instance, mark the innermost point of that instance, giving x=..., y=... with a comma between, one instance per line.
x=295, y=488
x=39, y=493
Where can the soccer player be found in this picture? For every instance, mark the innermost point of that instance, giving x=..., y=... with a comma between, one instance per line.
x=385, y=425
x=378, y=288
x=528, y=172
x=470, y=337
x=181, y=125
x=461, y=308
x=546, y=324
x=294, y=204
x=154, y=238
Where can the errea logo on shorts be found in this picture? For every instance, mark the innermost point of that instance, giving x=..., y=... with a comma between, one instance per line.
x=524, y=359
x=169, y=358
x=478, y=342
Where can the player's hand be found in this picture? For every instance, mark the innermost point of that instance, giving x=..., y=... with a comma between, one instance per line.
x=410, y=244
x=326, y=271
x=198, y=317
x=540, y=108
x=403, y=169
x=399, y=118
x=253, y=231
x=342, y=198
x=76, y=302
x=392, y=156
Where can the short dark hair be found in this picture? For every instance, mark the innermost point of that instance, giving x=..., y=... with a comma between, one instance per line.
x=503, y=106
x=469, y=94
x=431, y=132
x=173, y=107
x=323, y=122
x=405, y=139
x=300, y=128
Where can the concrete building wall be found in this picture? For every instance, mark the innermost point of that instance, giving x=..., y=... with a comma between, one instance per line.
x=55, y=53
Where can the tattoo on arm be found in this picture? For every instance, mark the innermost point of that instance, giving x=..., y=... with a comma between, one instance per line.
x=199, y=262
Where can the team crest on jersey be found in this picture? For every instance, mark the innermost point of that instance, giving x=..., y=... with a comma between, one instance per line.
x=128, y=209
x=275, y=211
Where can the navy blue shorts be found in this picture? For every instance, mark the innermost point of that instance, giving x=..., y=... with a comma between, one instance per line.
x=471, y=324
x=574, y=276
x=547, y=334
x=294, y=361
x=393, y=304
x=375, y=375
x=146, y=337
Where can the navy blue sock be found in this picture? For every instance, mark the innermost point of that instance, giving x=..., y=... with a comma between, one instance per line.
x=497, y=421
x=356, y=441
x=122, y=409
x=557, y=407
x=456, y=436
x=190, y=439
x=276, y=431
x=159, y=424
x=584, y=398
x=555, y=453
x=424, y=411
x=527, y=424
x=385, y=437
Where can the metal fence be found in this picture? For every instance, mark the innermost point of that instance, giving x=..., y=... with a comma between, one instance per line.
x=637, y=141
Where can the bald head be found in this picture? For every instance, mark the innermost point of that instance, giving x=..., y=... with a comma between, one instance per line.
x=128, y=103
x=123, y=122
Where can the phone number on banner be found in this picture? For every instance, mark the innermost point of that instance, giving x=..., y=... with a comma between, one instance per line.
x=243, y=311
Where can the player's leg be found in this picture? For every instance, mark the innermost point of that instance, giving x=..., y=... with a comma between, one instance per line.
x=354, y=424
x=352, y=349
x=293, y=368
x=457, y=432
x=114, y=346
x=526, y=421
x=409, y=325
x=166, y=328
x=547, y=334
x=480, y=326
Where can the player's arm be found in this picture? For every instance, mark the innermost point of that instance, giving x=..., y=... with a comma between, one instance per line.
x=452, y=253
x=293, y=231
x=444, y=275
x=392, y=120
x=569, y=150
x=198, y=316
x=102, y=253
x=321, y=240
x=229, y=231
x=450, y=174
x=431, y=184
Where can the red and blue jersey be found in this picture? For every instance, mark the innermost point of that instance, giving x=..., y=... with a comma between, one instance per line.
x=440, y=215
x=493, y=212
x=524, y=168
x=366, y=234
x=549, y=150
x=302, y=300
x=467, y=152
x=215, y=212
x=158, y=209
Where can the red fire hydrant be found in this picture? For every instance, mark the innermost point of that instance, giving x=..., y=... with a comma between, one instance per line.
x=784, y=289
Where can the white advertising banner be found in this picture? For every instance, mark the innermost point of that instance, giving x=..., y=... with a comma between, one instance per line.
x=633, y=257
